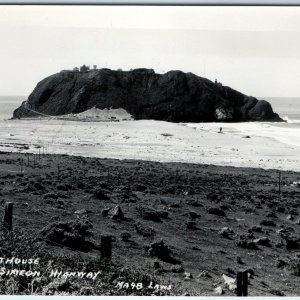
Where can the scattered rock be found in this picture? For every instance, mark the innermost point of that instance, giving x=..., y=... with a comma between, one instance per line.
x=247, y=244
x=117, y=213
x=294, y=265
x=230, y=271
x=281, y=209
x=212, y=197
x=125, y=236
x=81, y=212
x=239, y=260
x=195, y=203
x=226, y=233
x=177, y=269
x=277, y=293
x=60, y=285
x=193, y=215
x=268, y=223
x=150, y=214
x=144, y=230
x=271, y=214
x=105, y=212
x=204, y=274
x=219, y=291
x=292, y=243
x=101, y=195
x=290, y=218
x=250, y=272
x=34, y=187
x=230, y=283
x=162, y=251
x=263, y=241
x=216, y=211
x=285, y=231
x=294, y=212
x=139, y=187
x=188, y=276
x=256, y=229
x=280, y=263
x=191, y=225
x=50, y=196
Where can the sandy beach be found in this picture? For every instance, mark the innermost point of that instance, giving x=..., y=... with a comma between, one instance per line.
x=260, y=145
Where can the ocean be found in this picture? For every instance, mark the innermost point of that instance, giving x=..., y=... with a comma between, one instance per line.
x=287, y=108
x=8, y=104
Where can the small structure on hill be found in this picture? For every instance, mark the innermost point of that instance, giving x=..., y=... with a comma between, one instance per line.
x=76, y=69
x=219, y=84
x=84, y=68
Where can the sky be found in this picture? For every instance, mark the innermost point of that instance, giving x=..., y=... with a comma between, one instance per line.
x=255, y=50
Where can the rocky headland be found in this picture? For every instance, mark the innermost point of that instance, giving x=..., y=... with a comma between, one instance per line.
x=174, y=96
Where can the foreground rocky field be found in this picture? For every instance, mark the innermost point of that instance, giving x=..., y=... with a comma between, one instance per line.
x=172, y=224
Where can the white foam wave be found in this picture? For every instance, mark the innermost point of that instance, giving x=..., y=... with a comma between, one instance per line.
x=292, y=121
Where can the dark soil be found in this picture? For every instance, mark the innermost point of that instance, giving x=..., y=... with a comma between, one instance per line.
x=166, y=220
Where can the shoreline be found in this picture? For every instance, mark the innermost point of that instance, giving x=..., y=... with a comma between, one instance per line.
x=258, y=145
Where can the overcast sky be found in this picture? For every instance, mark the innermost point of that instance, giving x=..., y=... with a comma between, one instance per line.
x=255, y=50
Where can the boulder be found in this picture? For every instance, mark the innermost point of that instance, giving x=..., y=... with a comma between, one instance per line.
x=230, y=283
x=226, y=232
x=292, y=243
x=219, y=291
x=263, y=241
x=216, y=211
x=117, y=213
x=268, y=223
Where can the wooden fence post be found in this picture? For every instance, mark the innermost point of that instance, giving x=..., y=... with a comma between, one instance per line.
x=8, y=216
x=105, y=248
x=239, y=284
x=22, y=161
x=242, y=284
x=245, y=283
x=108, y=175
x=279, y=184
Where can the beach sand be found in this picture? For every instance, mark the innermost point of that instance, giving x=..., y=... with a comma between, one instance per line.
x=260, y=145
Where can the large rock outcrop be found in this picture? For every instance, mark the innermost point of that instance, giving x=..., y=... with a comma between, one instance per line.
x=174, y=96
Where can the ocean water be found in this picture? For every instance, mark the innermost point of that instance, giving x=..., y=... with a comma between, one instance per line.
x=287, y=108
x=8, y=104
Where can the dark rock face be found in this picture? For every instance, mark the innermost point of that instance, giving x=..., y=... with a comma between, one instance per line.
x=174, y=96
